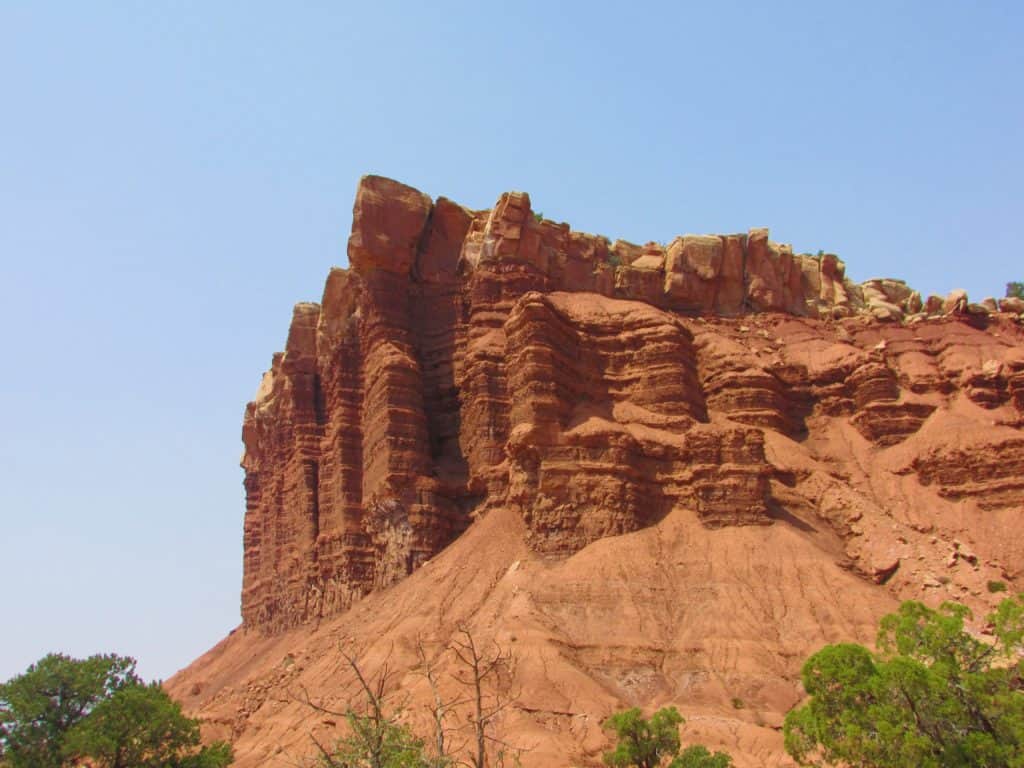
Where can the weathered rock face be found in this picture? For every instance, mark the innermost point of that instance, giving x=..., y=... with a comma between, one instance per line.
x=653, y=474
x=470, y=360
x=609, y=427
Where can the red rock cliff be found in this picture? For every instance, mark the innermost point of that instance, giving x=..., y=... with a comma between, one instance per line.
x=474, y=359
x=659, y=475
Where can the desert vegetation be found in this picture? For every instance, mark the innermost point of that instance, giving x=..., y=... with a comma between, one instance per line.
x=378, y=737
x=463, y=723
x=650, y=743
x=69, y=712
x=933, y=694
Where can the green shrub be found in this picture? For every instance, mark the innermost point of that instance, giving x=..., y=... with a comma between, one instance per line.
x=647, y=743
x=932, y=695
x=379, y=742
x=96, y=711
x=698, y=756
x=996, y=586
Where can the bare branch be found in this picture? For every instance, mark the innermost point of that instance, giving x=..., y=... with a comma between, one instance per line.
x=307, y=701
x=324, y=753
x=373, y=726
x=482, y=670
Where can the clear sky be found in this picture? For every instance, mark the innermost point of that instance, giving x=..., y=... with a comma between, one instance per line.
x=175, y=175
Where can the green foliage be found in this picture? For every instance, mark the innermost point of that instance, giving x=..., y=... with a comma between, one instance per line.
x=538, y=216
x=698, y=756
x=649, y=743
x=643, y=742
x=64, y=711
x=932, y=697
x=996, y=586
x=1015, y=290
x=140, y=726
x=614, y=260
x=40, y=706
x=376, y=738
x=383, y=743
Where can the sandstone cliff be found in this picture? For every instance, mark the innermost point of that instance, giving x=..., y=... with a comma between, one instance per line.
x=789, y=453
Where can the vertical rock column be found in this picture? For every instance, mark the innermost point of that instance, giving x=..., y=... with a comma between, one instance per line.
x=299, y=368
x=388, y=223
x=439, y=333
x=503, y=257
x=282, y=434
x=345, y=557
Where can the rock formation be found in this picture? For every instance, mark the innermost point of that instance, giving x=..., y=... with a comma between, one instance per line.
x=473, y=359
x=791, y=451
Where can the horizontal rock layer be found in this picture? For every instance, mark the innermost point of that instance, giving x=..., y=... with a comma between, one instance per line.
x=470, y=360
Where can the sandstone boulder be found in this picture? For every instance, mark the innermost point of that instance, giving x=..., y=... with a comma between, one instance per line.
x=769, y=272
x=692, y=271
x=387, y=221
x=884, y=298
x=955, y=302
x=1011, y=304
x=649, y=262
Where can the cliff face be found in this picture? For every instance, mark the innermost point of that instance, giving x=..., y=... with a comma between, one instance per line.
x=653, y=474
x=470, y=360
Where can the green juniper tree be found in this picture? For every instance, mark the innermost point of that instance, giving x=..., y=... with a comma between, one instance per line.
x=96, y=711
x=40, y=706
x=641, y=742
x=698, y=756
x=933, y=696
x=649, y=743
x=376, y=738
x=140, y=726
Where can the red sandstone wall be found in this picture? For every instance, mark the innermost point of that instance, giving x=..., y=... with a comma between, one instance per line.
x=469, y=360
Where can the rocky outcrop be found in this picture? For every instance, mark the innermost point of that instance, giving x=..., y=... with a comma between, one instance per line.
x=653, y=474
x=990, y=471
x=470, y=360
x=608, y=425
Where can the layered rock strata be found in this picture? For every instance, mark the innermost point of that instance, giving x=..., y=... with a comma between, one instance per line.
x=470, y=360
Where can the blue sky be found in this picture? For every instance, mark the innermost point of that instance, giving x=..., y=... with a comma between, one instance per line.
x=174, y=176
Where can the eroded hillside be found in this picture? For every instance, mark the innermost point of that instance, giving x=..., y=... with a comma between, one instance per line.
x=657, y=474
